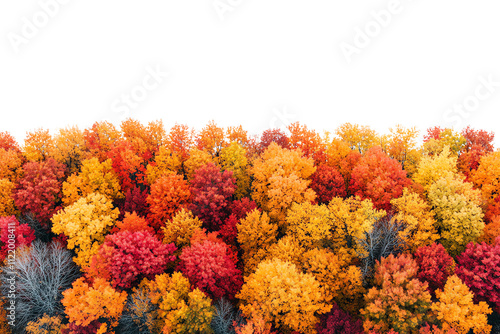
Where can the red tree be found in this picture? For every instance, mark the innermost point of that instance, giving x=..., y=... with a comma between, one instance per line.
x=479, y=138
x=241, y=207
x=479, y=268
x=212, y=191
x=127, y=165
x=7, y=142
x=208, y=267
x=433, y=133
x=10, y=229
x=379, y=178
x=127, y=257
x=339, y=322
x=273, y=135
x=134, y=201
x=328, y=183
x=39, y=190
x=435, y=265
x=347, y=165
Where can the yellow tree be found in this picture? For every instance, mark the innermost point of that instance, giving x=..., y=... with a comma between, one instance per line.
x=455, y=309
x=351, y=220
x=197, y=158
x=309, y=224
x=94, y=177
x=10, y=165
x=281, y=178
x=432, y=168
x=459, y=217
x=237, y=134
x=359, y=138
x=85, y=223
x=485, y=178
x=145, y=140
x=336, y=151
x=7, y=207
x=233, y=158
x=255, y=234
x=165, y=162
x=435, y=143
x=342, y=282
x=69, y=148
x=417, y=218
x=181, y=228
x=38, y=145
x=401, y=143
x=180, y=310
x=280, y=293
x=211, y=139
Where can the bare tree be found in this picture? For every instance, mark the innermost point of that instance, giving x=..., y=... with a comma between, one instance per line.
x=224, y=317
x=42, y=272
x=384, y=239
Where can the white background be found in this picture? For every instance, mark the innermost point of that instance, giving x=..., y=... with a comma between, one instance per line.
x=260, y=59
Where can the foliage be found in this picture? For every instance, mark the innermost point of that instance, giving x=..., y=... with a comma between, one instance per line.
x=45, y=325
x=491, y=231
x=485, y=178
x=307, y=141
x=455, y=309
x=134, y=201
x=99, y=138
x=94, y=177
x=360, y=138
x=309, y=224
x=211, y=193
x=69, y=148
x=211, y=139
x=379, y=178
x=85, y=303
x=7, y=207
x=281, y=177
x=85, y=223
x=133, y=223
x=10, y=165
x=341, y=281
x=169, y=194
x=398, y=301
x=352, y=218
x=233, y=158
x=435, y=266
x=181, y=228
x=179, y=309
x=339, y=322
x=209, y=268
x=255, y=233
x=165, y=162
x=39, y=190
x=126, y=257
x=433, y=168
x=479, y=268
x=279, y=292
x=38, y=145
x=418, y=220
x=457, y=212
x=273, y=136
x=327, y=183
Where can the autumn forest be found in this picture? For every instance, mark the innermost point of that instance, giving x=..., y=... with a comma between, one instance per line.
x=138, y=228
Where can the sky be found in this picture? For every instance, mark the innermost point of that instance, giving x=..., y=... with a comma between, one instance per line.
x=261, y=64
